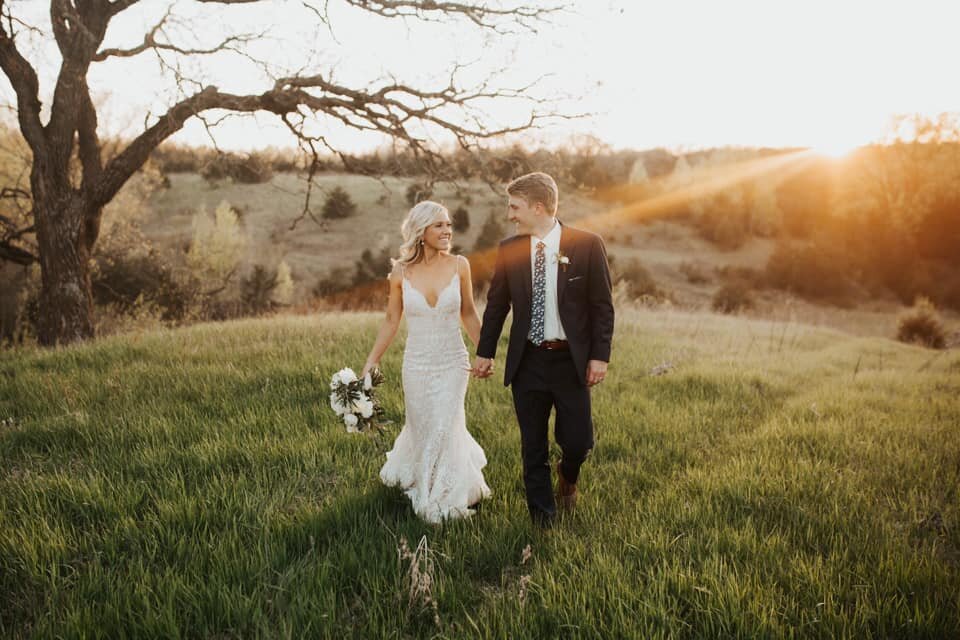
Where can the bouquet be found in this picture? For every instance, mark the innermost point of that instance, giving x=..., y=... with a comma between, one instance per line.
x=354, y=400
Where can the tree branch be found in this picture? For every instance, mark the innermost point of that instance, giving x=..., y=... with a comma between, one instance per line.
x=8, y=250
x=117, y=6
x=389, y=111
x=79, y=33
x=480, y=14
x=16, y=255
x=87, y=136
x=150, y=42
x=23, y=77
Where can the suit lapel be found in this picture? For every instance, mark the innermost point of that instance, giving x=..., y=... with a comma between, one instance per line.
x=566, y=247
x=525, y=271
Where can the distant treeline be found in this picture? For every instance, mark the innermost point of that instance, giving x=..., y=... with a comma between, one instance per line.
x=586, y=166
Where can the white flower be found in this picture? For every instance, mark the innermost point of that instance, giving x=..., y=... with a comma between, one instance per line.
x=367, y=382
x=338, y=408
x=351, y=421
x=563, y=260
x=346, y=375
x=365, y=407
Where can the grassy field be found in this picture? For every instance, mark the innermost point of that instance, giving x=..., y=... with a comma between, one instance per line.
x=777, y=480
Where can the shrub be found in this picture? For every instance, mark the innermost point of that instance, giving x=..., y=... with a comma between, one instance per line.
x=461, y=219
x=361, y=289
x=218, y=243
x=728, y=230
x=256, y=290
x=732, y=297
x=418, y=192
x=282, y=160
x=339, y=204
x=337, y=280
x=748, y=276
x=175, y=158
x=250, y=169
x=694, y=273
x=283, y=292
x=491, y=233
x=811, y=271
x=637, y=278
x=370, y=267
x=122, y=279
x=922, y=325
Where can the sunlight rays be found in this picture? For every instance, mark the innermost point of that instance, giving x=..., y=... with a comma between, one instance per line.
x=673, y=198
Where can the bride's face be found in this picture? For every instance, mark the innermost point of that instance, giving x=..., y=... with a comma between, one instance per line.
x=439, y=235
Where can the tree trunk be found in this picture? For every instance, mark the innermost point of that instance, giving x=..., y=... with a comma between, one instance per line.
x=66, y=302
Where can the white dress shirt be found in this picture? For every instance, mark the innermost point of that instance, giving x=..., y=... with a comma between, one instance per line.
x=552, y=329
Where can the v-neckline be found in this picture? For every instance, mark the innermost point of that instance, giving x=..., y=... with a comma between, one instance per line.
x=440, y=293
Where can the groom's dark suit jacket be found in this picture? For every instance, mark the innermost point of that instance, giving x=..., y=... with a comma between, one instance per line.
x=583, y=298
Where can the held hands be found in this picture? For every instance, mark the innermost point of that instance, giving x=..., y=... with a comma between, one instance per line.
x=482, y=367
x=596, y=372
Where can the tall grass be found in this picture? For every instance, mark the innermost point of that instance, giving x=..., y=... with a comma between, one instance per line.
x=772, y=480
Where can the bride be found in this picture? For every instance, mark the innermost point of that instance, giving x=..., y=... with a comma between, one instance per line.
x=434, y=460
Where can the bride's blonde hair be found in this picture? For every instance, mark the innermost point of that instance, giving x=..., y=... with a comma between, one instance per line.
x=421, y=216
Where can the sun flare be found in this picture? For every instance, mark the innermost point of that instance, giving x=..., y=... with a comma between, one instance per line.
x=837, y=148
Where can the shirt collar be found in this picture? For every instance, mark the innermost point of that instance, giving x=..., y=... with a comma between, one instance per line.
x=552, y=239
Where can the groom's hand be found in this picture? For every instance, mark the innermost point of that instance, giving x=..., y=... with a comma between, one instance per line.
x=596, y=372
x=483, y=367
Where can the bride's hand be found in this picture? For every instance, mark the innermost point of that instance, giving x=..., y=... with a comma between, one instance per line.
x=367, y=368
x=482, y=367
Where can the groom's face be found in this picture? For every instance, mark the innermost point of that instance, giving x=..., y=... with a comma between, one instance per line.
x=524, y=215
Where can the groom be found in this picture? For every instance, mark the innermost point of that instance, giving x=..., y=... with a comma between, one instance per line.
x=556, y=280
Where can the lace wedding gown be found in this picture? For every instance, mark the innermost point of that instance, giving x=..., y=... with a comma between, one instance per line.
x=435, y=460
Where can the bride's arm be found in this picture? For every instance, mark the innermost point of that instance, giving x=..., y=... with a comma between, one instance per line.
x=468, y=310
x=391, y=322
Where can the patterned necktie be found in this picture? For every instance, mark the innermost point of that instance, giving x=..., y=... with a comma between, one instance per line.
x=539, y=295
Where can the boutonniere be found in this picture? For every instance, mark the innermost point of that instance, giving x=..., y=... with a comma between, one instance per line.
x=562, y=260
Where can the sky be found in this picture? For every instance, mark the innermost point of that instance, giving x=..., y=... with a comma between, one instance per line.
x=683, y=74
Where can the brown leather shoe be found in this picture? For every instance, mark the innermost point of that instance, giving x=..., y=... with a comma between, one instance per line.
x=566, y=492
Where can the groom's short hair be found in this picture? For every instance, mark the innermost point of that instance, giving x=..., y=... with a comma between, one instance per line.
x=536, y=187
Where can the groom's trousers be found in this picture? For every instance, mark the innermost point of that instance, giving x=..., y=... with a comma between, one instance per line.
x=546, y=380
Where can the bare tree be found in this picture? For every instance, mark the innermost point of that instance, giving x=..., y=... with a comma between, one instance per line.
x=66, y=204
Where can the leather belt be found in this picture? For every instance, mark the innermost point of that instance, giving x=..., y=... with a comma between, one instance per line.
x=552, y=345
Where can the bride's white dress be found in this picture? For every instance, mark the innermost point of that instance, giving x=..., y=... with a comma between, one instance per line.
x=434, y=459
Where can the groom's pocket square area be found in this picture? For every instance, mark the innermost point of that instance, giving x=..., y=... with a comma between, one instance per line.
x=574, y=279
